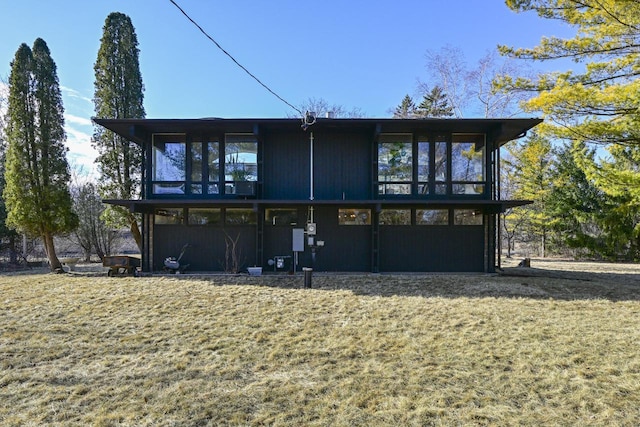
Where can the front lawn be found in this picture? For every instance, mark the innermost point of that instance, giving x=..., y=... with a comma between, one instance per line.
x=354, y=350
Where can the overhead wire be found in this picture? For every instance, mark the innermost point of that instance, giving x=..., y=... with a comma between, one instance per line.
x=235, y=61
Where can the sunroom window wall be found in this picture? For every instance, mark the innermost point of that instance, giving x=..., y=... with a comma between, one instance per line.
x=197, y=166
x=436, y=166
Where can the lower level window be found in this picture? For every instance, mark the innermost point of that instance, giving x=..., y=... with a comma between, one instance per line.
x=281, y=216
x=169, y=216
x=354, y=216
x=467, y=217
x=238, y=216
x=204, y=216
x=432, y=217
x=395, y=217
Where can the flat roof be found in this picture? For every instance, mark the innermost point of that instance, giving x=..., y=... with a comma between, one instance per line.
x=139, y=130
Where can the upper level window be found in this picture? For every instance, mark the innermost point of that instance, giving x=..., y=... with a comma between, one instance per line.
x=240, y=164
x=431, y=165
x=395, y=164
x=424, y=161
x=213, y=167
x=467, y=163
x=169, y=164
x=196, y=165
x=197, y=157
x=441, y=162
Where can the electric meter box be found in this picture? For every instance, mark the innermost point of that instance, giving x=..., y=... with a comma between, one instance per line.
x=298, y=240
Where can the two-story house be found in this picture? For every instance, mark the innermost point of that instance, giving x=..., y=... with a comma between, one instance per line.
x=366, y=195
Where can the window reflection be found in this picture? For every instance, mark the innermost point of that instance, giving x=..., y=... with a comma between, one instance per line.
x=395, y=164
x=281, y=216
x=196, y=161
x=239, y=216
x=169, y=163
x=395, y=217
x=241, y=158
x=432, y=217
x=169, y=216
x=213, y=166
x=440, y=161
x=354, y=216
x=423, y=167
x=467, y=163
x=204, y=216
x=467, y=217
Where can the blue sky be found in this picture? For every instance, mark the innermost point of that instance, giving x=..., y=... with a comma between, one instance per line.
x=358, y=54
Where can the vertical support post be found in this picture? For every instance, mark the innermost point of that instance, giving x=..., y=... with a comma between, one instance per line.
x=497, y=178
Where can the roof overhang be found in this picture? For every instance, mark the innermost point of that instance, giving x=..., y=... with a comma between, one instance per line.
x=140, y=130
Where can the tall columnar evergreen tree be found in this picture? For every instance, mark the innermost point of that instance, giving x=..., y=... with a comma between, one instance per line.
x=5, y=231
x=37, y=172
x=118, y=95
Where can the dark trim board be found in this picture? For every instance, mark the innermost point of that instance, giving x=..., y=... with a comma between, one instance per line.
x=148, y=205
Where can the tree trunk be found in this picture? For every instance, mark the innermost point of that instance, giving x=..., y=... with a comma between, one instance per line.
x=135, y=231
x=54, y=262
x=87, y=255
x=13, y=253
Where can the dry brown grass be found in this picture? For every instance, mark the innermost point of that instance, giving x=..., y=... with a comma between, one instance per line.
x=354, y=350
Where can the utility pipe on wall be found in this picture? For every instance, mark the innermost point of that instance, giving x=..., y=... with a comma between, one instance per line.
x=311, y=166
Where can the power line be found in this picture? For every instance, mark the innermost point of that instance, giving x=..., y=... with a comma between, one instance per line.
x=234, y=60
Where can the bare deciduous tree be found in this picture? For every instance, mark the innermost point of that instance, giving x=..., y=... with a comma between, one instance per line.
x=323, y=108
x=470, y=89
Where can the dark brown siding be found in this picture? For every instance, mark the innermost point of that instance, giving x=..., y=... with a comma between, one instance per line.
x=347, y=247
x=342, y=166
x=432, y=248
x=206, y=251
x=286, y=166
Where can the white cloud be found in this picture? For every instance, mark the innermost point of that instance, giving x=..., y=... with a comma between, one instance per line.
x=72, y=93
x=79, y=129
x=70, y=118
x=81, y=154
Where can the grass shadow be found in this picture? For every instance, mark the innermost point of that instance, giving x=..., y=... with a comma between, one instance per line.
x=531, y=283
